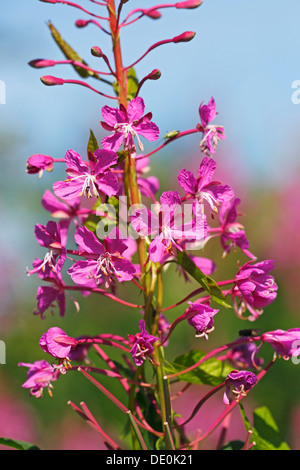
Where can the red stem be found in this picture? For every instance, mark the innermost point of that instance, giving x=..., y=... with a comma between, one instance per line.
x=181, y=134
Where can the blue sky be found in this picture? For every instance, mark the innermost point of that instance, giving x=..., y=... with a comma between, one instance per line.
x=245, y=53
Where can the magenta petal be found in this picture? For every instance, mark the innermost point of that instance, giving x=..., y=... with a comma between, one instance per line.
x=105, y=159
x=108, y=183
x=49, y=345
x=88, y=242
x=148, y=186
x=68, y=189
x=113, y=116
x=135, y=109
x=149, y=130
x=171, y=199
x=82, y=273
x=187, y=181
x=52, y=204
x=206, y=171
x=144, y=222
x=124, y=269
x=221, y=192
x=157, y=249
x=75, y=163
x=113, y=243
x=113, y=142
x=46, y=296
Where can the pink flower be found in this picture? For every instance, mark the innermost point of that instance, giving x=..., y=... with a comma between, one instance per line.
x=232, y=232
x=88, y=179
x=200, y=316
x=142, y=345
x=40, y=375
x=57, y=343
x=285, y=343
x=65, y=210
x=50, y=236
x=243, y=356
x=49, y=295
x=128, y=124
x=238, y=383
x=105, y=262
x=212, y=133
x=254, y=288
x=168, y=227
x=38, y=164
x=203, y=188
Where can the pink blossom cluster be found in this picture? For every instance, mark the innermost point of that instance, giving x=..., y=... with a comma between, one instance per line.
x=174, y=227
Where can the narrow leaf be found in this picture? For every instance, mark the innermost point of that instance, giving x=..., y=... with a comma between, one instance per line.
x=206, y=282
x=18, y=445
x=69, y=53
x=211, y=372
x=92, y=143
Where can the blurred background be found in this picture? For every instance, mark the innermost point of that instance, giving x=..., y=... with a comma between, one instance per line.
x=247, y=56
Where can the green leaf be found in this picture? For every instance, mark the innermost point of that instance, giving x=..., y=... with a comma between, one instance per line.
x=18, y=445
x=69, y=53
x=211, y=372
x=171, y=134
x=132, y=84
x=92, y=143
x=206, y=282
x=265, y=432
x=233, y=445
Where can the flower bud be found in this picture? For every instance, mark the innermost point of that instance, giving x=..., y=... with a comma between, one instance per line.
x=96, y=51
x=81, y=23
x=153, y=14
x=39, y=163
x=189, y=4
x=154, y=75
x=51, y=81
x=49, y=1
x=184, y=37
x=40, y=63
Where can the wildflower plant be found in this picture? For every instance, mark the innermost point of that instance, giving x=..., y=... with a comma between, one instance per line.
x=147, y=234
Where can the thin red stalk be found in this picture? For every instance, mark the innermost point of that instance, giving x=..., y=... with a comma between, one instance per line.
x=100, y=26
x=81, y=8
x=117, y=402
x=154, y=46
x=215, y=352
x=87, y=416
x=181, y=134
x=230, y=407
x=112, y=366
x=105, y=293
x=97, y=370
x=196, y=292
x=201, y=402
x=143, y=12
x=105, y=342
x=83, y=66
x=79, y=82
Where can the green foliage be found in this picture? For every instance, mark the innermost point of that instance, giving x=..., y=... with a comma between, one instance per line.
x=211, y=372
x=132, y=84
x=69, y=52
x=18, y=445
x=206, y=282
x=92, y=143
x=265, y=432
